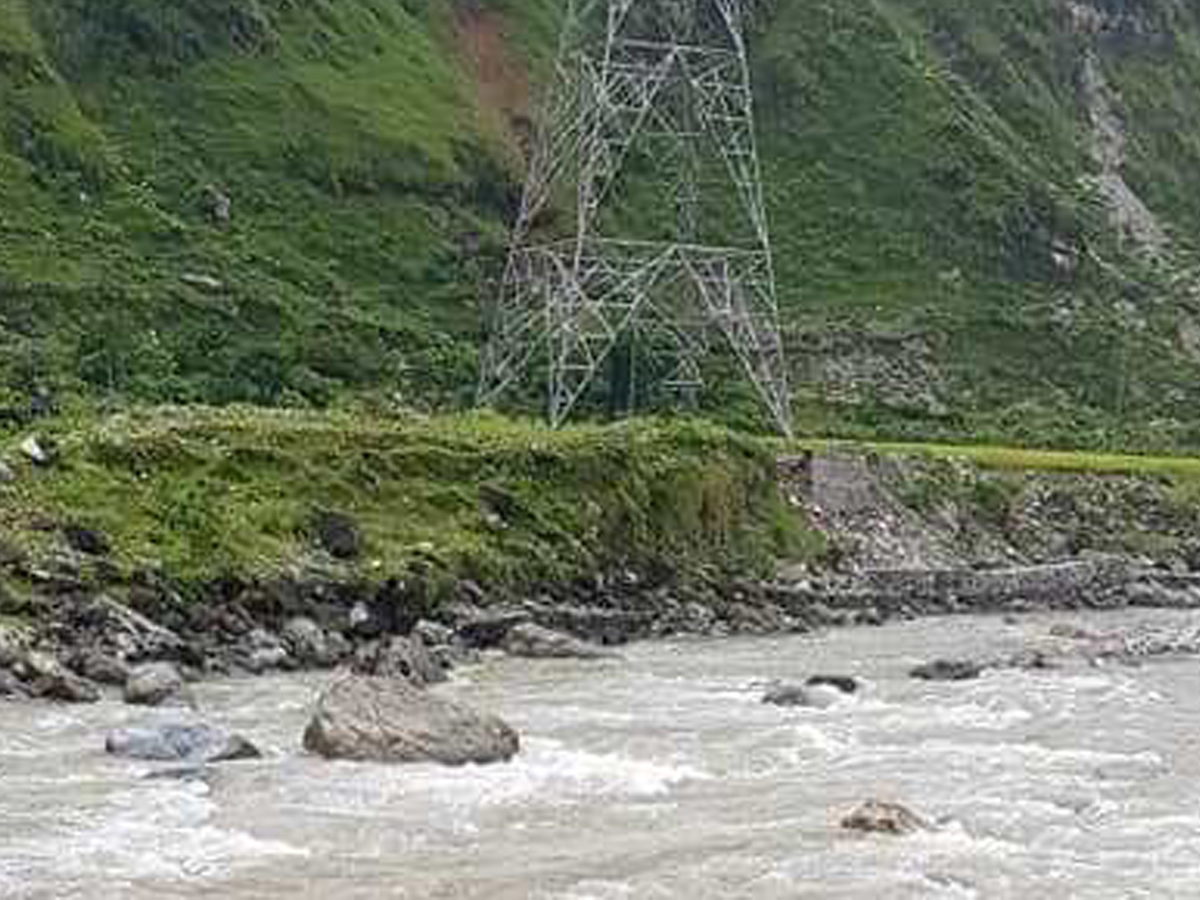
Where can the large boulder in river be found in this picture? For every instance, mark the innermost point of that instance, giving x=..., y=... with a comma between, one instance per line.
x=195, y=743
x=389, y=720
x=157, y=684
x=535, y=642
x=877, y=817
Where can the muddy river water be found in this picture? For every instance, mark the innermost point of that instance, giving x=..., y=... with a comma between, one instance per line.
x=658, y=776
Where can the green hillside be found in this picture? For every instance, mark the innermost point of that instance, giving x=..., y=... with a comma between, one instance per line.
x=301, y=202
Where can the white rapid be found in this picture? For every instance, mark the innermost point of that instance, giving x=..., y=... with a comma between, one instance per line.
x=661, y=776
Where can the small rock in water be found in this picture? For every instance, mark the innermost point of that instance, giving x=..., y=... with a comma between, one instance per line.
x=878, y=817
x=948, y=670
x=157, y=684
x=535, y=642
x=816, y=696
x=390, y=721
x=845, y=683
x=179, y=742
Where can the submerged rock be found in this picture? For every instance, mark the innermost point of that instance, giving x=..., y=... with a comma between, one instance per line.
x=157, y=684
x=878, y=817
x=390, y=721
x=179, y=742
x=535, y=642
x=787, y=695
x=820, y=695
x=948, y=670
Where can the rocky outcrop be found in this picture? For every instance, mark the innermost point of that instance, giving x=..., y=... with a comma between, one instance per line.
x=878, y=817
x=194, y=743
x=390, y=721
x=535, y=642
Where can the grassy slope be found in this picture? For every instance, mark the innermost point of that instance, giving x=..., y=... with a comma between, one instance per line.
x=923, y=159
x=199, y=493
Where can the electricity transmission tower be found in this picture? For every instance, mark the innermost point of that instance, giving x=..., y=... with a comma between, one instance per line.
x=648, y=141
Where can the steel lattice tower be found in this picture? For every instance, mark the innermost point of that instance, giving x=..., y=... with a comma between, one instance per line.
x=648, y=139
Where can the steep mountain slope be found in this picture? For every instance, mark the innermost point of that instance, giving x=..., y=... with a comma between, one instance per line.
x=984, y=212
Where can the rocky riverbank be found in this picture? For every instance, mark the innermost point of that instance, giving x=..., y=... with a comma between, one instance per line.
x=83, y=643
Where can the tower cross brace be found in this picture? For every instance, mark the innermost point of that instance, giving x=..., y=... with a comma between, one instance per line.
x=648, y=139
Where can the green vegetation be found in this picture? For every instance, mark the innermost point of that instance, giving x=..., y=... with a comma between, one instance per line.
x=200, y=493
x=926, y=164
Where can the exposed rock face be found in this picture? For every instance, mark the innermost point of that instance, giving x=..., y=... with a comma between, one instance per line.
x=177, y=742
x=535, y=642
x=877, y=817
x=948, y=670
x=390, y=721
x=157, y=684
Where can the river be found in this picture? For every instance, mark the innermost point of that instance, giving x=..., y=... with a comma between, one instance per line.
x=659, y=776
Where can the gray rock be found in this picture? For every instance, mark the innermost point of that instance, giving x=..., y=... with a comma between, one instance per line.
x=10, y=685
x=157, y=684
x=39, y=451
x=263, y=651
x=844, y=683
x=99, y=667
x=786, y=695
x=388, y=720
x=129, y=634
x=877, y=817
x=535, y=642
x=433, y=634
x=45, y=677
x=8, y=475
x=178, y=742
x=948, y=670
x=13, y=646
x=817, y=696
x=486, y=629
x=309, y=643
x=409, y=659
